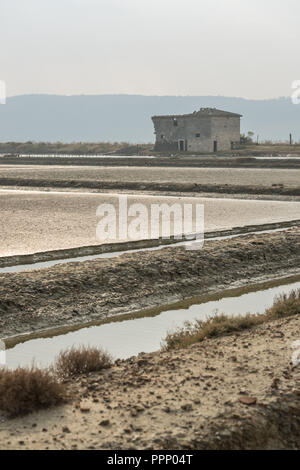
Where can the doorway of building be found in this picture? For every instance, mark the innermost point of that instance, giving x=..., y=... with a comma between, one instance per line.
x=181, y=145
x=215, y=146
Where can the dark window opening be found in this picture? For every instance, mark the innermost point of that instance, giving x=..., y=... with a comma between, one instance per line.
x=198, y=135
x=162, y=136
x=175, y=122
x=215, y=146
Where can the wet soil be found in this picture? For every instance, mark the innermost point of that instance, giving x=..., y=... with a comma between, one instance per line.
x=76, y=293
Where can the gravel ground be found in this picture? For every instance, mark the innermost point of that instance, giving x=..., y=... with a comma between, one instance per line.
x=190, y=399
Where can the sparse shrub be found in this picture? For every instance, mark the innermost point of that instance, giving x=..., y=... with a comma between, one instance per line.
x=78, y=361
x=247, y=139
x=220, y=325
x=285, y=305
x=26, y=390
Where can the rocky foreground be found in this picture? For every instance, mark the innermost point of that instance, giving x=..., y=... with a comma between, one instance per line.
x=235, y=392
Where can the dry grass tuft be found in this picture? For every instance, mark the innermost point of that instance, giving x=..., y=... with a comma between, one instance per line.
x=220, y=325
x=26, y=390
x=285, y=305
x=78, y=361
x=198, y=331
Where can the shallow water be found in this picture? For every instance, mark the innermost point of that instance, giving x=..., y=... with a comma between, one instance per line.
x=37, y=221
x=114, y=254
x=286, y=157
x=60, y=155
x=128, y=337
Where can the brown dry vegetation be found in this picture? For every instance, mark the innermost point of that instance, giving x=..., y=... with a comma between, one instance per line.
x=271, y=148
x=76, y=148
x=220, y=325
x=25, y=390
x=284, y=306
x=82, y=360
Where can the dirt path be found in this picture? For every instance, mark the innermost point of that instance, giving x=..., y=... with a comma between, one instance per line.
x=188, y=399
x=77, y=293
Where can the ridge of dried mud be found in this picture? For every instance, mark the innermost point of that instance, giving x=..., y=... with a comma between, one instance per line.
x=194, y=188
x=196, y=161
x=82, y=292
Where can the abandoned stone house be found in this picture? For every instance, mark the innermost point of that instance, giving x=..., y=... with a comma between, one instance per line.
x=207, y=130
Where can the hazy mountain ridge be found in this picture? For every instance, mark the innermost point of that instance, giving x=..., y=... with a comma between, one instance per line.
x=112, y=118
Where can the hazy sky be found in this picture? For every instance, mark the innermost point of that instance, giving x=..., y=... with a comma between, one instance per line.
x=247, y=48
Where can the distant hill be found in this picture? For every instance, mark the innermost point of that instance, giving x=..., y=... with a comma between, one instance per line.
x=127, y=118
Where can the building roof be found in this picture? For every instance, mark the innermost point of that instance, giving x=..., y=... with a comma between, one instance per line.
x=203, y=112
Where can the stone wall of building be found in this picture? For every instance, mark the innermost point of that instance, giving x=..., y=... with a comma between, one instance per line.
x=196, y=133
x=225, y=131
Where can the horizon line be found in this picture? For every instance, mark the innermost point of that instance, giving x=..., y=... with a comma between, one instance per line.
x=145, y=96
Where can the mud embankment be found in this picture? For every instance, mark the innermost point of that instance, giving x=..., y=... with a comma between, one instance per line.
x=105, y=248
x=226, y=189
x=75, y=293
x=201, y=161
